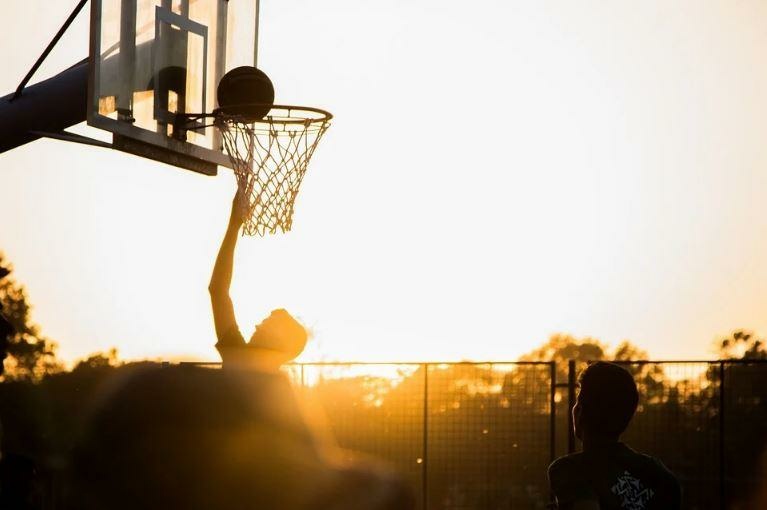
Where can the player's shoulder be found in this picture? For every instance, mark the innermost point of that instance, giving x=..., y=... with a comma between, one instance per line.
x=663, y=472
x=566, y=465
x=651, y=462
x=570, y=480
x=664, y=477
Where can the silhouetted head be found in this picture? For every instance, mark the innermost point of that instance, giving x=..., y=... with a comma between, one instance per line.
x=280, y=335
x=192, y=438
x=606, y=402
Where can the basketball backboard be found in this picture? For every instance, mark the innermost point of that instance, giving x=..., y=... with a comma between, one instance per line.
x=153, y=59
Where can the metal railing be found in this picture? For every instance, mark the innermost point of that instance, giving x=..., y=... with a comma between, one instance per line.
x=465, y=435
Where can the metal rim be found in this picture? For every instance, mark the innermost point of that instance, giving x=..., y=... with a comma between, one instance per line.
x=325, y=116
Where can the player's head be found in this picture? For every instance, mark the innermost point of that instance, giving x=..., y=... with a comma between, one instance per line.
x=281, y=335
x=606, y=402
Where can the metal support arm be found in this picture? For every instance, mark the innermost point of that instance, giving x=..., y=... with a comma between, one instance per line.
x=48, y=49
x=66, y=136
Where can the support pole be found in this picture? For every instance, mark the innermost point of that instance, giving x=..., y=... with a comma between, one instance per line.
x=46, y=107
x=48, y=50
x=722, y=446
x=571, y=404
x=425, y=460
x=553, y=411
x=127, y=60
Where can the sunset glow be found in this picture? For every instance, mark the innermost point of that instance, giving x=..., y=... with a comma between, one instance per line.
x=496, y=172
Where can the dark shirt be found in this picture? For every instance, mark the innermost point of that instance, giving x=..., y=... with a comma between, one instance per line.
x=617, y=477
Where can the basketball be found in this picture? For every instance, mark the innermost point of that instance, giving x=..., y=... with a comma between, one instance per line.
x=246, y=91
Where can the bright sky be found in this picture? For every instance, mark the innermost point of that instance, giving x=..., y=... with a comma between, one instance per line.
x=498, y=171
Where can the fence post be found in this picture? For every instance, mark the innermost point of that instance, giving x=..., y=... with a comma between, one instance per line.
x=553, y=411
x=570, y=405
x=722, y=488
x=425, y=453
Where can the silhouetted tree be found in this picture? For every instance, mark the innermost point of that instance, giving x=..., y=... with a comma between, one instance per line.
x=99, y=360
x=31, y=355
x=742, y=344
x=561, y=347
x=628, y=351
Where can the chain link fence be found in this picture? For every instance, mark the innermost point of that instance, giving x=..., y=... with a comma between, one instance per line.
x=465, y=435
x=481, y=435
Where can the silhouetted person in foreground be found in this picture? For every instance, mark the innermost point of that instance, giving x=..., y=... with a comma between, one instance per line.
x=193, y=438
x=608, y=475
x=277, y=340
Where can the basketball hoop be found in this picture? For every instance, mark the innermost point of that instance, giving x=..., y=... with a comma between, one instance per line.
x=270, y=156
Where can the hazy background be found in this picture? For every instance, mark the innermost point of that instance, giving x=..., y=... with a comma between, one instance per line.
x=497, y=171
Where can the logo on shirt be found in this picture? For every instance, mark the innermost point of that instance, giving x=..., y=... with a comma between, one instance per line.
x=631, y=492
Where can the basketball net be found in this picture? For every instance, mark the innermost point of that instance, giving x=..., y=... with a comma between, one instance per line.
x=270, y=157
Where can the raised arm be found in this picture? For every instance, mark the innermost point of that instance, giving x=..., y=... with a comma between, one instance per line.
x=223, y=310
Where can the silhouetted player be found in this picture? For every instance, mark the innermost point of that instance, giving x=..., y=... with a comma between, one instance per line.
x=278, y=339
x=608, y=475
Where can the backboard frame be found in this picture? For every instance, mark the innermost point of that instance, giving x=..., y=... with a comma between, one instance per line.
x=143, y=142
